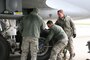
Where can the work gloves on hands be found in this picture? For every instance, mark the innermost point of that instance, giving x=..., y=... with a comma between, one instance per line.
x=74, y=35
x=46, y=42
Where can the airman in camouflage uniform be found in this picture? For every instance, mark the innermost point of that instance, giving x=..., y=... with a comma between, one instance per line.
x=67, y=24
x=31, y=25
x=58, y=33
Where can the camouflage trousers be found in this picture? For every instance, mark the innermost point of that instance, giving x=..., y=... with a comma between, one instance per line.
x=57, y=50
x=29, y=43
x=70, y=48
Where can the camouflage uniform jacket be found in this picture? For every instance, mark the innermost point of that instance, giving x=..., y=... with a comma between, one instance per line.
x=57, y=32
x=67, y=24
x=32, y=25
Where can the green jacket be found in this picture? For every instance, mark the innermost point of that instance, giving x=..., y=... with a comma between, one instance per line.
x=67, y=24
x=32, y=25
x=57, y=32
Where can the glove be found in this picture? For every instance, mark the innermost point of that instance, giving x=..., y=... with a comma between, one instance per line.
x=46, y=42
x=74, y=35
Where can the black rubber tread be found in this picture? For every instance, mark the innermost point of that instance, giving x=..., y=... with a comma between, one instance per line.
x=4, y=48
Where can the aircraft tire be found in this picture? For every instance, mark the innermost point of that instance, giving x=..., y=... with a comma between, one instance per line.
x=4, y=49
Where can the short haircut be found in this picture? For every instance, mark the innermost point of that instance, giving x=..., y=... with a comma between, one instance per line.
x=49, y=22
x=35, y=10
x=60, y=11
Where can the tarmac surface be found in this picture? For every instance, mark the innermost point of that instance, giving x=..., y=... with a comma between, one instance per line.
x=81, y=50
x=16, y=56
